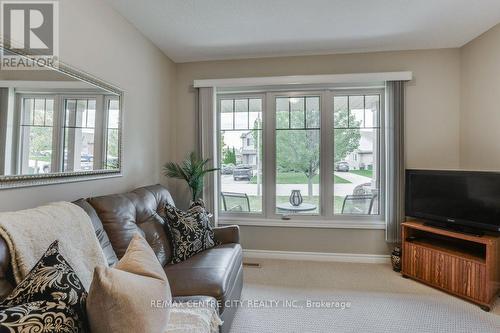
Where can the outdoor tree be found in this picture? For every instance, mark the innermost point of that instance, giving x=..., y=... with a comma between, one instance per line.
x=257, y=141
x=299, y=150
x=222, y=143
x=346, y=133
x=228, y=153
x=40, y=141
x=112, y=149
x=229, y=156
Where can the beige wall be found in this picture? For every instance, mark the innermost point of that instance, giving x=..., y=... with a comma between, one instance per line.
x=432, y=127
x=360, y=241
x=95, y=39
x=480, y=97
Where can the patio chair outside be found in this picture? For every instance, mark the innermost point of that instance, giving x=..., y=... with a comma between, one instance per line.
x=360, y=204
x=235, y=202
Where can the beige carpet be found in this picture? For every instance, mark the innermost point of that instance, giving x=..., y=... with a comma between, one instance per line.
x=275, y=299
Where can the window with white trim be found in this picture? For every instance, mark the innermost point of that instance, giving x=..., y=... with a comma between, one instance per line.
x=240, y=149
x=63, y=133
x=301, y=155
x=36, y=131
x=79, y=133
x=356, y=154
x=297, y=142
x=113, y=132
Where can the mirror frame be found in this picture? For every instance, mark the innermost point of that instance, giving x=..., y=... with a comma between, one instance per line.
x=16, y=181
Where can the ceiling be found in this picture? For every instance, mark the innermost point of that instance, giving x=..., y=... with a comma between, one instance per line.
x=196, y=30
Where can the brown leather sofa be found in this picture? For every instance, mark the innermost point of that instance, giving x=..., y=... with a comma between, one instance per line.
x=215, y=274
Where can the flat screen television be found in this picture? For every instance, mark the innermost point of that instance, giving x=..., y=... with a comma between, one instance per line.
x=454, y=199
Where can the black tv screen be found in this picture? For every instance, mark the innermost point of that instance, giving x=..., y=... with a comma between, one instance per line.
x=462, y=198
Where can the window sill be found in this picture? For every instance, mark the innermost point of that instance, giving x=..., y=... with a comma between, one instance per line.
x=330, y=224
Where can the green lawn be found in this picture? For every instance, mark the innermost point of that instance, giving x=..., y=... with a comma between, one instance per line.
x=300, y=178
x=366, y=173
x=340, y=180
x=256, y=202
x=40, y=158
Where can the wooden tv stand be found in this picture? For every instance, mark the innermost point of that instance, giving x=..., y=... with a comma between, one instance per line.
x=463, y=265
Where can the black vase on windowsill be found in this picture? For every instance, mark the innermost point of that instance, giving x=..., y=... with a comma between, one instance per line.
x=296, y=198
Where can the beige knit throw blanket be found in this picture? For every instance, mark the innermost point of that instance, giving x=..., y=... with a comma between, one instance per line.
x=185, y=318
x=28, y=233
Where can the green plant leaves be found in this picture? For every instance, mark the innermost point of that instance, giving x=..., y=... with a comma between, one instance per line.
x=192, y=170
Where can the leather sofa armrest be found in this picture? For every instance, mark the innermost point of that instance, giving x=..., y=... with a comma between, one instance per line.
x=227, y=234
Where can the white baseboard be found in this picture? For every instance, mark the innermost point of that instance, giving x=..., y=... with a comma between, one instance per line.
x=318, y=256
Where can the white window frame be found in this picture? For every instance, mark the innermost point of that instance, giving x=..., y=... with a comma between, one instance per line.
x=100, y=126
x=270, y=158
x=235, y=215
x=326, y=217
x=21, y=140
x=105, y=128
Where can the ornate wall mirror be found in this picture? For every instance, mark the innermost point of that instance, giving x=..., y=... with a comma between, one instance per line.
x=58, y=125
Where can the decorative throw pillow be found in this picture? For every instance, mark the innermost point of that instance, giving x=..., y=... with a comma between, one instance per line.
x=191, y=230
x=133, y=296
x=51, y=298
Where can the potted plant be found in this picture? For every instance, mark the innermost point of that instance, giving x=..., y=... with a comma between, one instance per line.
x=192, y=170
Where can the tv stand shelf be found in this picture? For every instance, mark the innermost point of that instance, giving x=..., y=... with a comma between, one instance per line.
x=460, y=264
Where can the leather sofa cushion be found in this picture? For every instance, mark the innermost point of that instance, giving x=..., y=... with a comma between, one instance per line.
x=141, y=210
x=101, y=234
x=212, y=272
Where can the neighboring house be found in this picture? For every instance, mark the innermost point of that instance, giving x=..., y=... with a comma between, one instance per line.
x=248, y=153
x=362, y=158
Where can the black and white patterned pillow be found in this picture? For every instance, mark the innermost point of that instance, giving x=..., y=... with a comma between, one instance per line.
x=190, y=230
x=51, y=298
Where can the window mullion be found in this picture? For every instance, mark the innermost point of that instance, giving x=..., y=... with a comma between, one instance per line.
x=100, y=126
x=326, y=157
x=23, y=161
x=269, y=146
x=58, y=133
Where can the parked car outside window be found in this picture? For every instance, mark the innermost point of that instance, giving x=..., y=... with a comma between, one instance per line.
x=227, y=169
x=242, y=172
x=342, y=166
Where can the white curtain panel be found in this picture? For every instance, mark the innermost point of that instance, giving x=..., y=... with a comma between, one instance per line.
x=395, y=164
x=206, y=137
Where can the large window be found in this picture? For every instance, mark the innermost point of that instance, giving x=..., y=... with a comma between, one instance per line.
x=240, y=151
x=37, y=120
x=79, y=131
x=301, y=156
x=63, y=133
x=298, y=154
x=356, y=154
x=113, y=132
